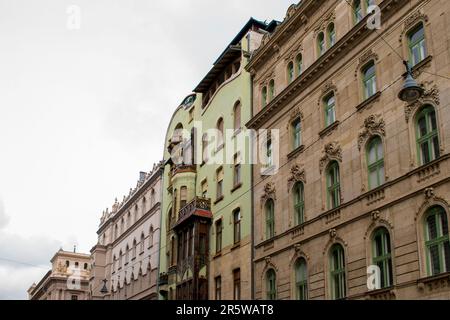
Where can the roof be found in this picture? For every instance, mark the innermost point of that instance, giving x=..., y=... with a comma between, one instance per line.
x=231, y=52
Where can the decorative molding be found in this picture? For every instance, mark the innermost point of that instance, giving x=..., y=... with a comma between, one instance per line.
x=269, y=193
x=430, y=96
x=329, y=18
x=332, y=152
x=297, y=175
x=296, y=113
x=364, y=59
x=372, y=127
x=411, y=21
x=327, y=88
x=431, y=199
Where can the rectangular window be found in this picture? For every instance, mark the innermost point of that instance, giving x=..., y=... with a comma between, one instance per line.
x=219, y=236
x=330, y=110
x=237, y=170
x=417, y=46
x=220, y=183
x=237, y=284
x=237, y=226
x=183, y=197
x=204, y=188
x=74, y=297
x=297, y=133
x=218, y=289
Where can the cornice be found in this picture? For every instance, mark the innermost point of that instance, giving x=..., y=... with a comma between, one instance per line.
x=321, y=65
x=296, y=16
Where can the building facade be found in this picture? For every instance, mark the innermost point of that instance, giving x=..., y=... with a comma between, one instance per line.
x=127, y=252
x=206, y=226
x=357, y=206
x=67, y=280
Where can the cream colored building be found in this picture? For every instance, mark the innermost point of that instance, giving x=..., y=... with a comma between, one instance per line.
x=127, y=252
x=364, y=178
x=67, y=280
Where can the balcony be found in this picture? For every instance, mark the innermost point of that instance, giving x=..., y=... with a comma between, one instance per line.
x=199, y=207
x=183, y=169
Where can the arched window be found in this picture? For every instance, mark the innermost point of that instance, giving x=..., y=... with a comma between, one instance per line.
x=271, y=89
x=337, y=272
x=150, y=237
x=142, y=242
x=237, y=116
x=330, y=109
x=220, y=129
x=437, y=243
x=296, y=127
x=264, y=97
x=85, y=266
x=427, y=135
x=116, y=232
x=129, y=220
x=127, y=255
x=301, y=280
x=331, y=34
x=172, y=251
x=67, y=263
x=271, y=284
x=375, y=163
x=333, y=186
x=321, y=47
x=152, y=198
x=382, y=256
x=299, y=64
x=417, y=45
x=369, y=80
x=290, y=72
x=358, y=13
x=299, y=203
x=133, y=255
x=114, y=263
x=270, y=219
x=120, y=259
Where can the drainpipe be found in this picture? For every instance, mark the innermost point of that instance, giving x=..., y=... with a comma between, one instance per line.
x=252, y=210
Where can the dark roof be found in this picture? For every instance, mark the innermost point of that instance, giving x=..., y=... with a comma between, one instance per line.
x=231, y=53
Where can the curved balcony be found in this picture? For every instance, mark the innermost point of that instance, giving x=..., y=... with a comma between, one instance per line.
x=199, y=207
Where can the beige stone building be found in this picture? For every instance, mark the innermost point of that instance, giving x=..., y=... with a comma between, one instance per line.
x=125, y=260
x=362, y=190
x=67, y=280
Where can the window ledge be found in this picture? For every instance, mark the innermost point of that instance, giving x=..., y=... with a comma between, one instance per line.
x=384, y=293
x=431, y=281
x=329, y=129
x=418, y=67
x=368, y=101
x=219, y=200
x=236, y=133
x=269, y=171
x=236, y=187
x=297, y=151
x=236, y=246
x=217, y=255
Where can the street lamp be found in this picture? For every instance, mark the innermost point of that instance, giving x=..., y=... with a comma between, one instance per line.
x=411, y=90
x=104, y=289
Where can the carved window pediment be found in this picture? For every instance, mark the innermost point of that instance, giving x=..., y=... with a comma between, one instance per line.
x=373, y=125
x=269, y=193
x=332, y=152
x=297, y=175
x=431, y=96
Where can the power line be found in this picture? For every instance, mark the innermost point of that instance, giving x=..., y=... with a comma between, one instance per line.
x=23, y=263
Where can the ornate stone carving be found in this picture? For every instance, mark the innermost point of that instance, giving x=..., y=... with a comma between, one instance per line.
x=411, y=20
x=269, y=192
x=291, y=11
x=297, y=175
x=333, y=233
x=296, y=113
x=364, y=59
x=429, y=193
x=430, y=96
x=372, y=127
x=332, y=152
x=376, y=215
x=329, y=86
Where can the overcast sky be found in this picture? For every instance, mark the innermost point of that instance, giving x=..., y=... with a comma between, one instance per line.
x=84, y=110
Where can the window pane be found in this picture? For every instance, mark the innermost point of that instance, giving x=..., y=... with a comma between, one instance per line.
x=436, y=148
x=432, y=227
x=434, y=259
x=447, y=256
x=422, y=126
